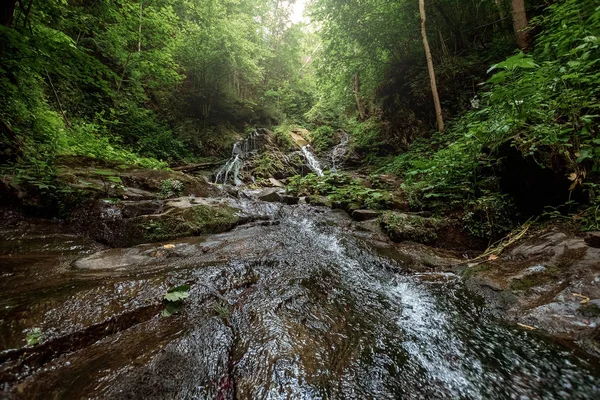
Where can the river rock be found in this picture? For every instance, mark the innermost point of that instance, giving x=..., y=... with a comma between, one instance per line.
x=270, y=194
x=316, y=200
x=408, y=227
x=363, y=215
x=289, y=200
x=593, y=239
x=545, y=281
x=275, y=183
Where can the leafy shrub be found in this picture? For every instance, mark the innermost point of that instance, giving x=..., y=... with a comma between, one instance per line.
x=489, y=216
x=342, y=189
x=367, y=137
x=170, y=188
x=545, y=104
x=322, y=138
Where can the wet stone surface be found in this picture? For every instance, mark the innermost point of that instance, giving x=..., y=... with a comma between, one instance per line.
x=298, y=306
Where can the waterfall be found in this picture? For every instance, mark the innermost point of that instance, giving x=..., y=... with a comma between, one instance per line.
x=313, y=163
x=241, y=150
x=339, y=151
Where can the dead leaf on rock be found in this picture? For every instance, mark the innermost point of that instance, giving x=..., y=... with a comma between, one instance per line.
x=492, y=257
x=531, y=328
x=585, y=298
x=169, y=246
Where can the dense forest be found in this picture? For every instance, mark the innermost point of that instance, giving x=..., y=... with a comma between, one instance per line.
x=165, y=83
x=144, y=143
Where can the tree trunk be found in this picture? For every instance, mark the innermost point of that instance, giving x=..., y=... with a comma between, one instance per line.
x=140, y=29
x=7, y=12
x=434, y=91
x=359, y=104
x=520, y=24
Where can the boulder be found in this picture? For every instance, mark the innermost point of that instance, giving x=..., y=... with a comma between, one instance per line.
x=593, y=239
x=289, y=200
x=270, y=195
x=409, y=227
x=316, y=200
x=121, y=224
x=364, y=215
x=275, y=183
x=550, y=280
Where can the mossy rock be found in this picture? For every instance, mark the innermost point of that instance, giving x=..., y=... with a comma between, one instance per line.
x=316, y=200
x=198, y=220
x=402, y=227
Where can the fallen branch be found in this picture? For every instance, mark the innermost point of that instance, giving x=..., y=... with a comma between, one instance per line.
x=195, y=167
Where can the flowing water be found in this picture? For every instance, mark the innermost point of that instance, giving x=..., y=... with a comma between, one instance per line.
x=312, y=161
x=294, y=307
x=241, y=151
x=338, y=153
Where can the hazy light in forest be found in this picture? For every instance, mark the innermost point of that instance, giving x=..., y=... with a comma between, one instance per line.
x=298, y=11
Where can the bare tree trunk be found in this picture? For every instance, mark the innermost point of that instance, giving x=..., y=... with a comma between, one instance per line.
x=522, y=35
x=7, y=12
x=359, y=104
x=434, y=91
x=140, y=30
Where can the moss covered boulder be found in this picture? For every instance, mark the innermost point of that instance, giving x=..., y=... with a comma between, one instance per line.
x=402, y=227
x=128, y=223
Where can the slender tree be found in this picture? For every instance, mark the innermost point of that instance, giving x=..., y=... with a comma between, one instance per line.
x=359, y=104
x=434, y=91
x=520, y=24
x=7, y=11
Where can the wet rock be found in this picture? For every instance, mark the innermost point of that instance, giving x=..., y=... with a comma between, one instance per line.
x=289, y=200
x=363, y=215
x=552, y=279
x=130, y=223
x=131, y=209
x=270, y=195
x=316, y=200
x=276, y=183
x=593, y=239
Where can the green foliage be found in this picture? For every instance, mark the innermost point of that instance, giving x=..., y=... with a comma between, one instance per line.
x=173, y=299
x=170, y=188
x=322, y=138
x=34, y=336
x=591, y=214
x=282, y=136
x=267, y=165
x=489, y=216
x=367, y=137
x=140, y=82
x=545, y=104
x=342, y=189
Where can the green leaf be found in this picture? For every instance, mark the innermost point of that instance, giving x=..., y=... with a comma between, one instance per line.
x=34, y=337
x=584, y=154
x=178, y=293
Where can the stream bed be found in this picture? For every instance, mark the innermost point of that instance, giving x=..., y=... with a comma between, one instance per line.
x=297, y=306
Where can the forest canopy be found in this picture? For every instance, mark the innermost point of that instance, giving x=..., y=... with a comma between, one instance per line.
x=162, y=83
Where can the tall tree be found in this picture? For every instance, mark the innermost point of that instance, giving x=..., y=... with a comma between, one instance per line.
x=7, y=11
x=520, y=24
x=434, y=91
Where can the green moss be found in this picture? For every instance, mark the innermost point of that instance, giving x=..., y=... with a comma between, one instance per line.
x=189, y=222
x=530, y=281
x=400, y=227
x=470, y=272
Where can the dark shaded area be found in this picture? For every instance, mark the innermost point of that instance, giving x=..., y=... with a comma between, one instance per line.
x=532, y=185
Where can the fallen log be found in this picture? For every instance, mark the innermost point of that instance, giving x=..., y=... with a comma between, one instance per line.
x=195, y=167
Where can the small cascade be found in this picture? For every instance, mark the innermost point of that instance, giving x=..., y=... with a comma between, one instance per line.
x=339, y=152
x=313, y=163
x=241, y=151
